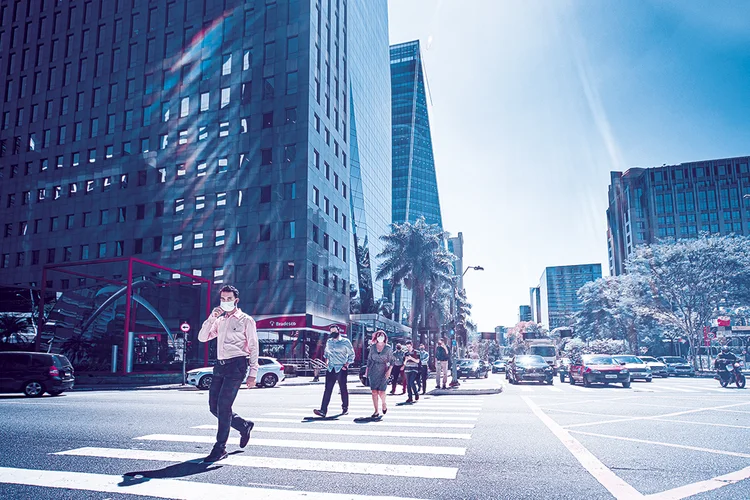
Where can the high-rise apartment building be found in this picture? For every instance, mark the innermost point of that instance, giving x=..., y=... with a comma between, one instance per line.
x=676, y=201
x=558, y=289
x=217, y=138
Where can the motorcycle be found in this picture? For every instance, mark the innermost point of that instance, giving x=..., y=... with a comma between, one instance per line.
x=731, y=372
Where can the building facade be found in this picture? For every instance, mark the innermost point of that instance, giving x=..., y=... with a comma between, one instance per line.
x=676, y=201
x=535, y=300
x=558, y=291
x=524, y=313
x=456, y=247
x=210, y=137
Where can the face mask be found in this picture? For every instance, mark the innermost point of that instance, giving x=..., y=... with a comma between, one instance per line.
x=227, y=306
x=335, y=335
x=381, y=339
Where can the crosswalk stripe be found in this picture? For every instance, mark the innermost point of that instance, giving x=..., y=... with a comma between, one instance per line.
x=340, y=432
x=526, y=389
x=386, y=422
x=421, y=404
x=576, y=388
x=411, y=416
x=554, y=389
x=316, y=445
x=401, y=408
x=173, y=489
x=678, y=389
x=429, y=472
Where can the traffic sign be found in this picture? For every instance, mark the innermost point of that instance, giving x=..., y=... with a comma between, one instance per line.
x=185, y=327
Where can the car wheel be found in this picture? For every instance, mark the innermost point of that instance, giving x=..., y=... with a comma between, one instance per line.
x=205, y=382
x=269, y=380
x=692, y=374
x=55, y=393
x=571, y=380
x=586, y=382
x=33, y=389
x=486, y=374
x=550, y=381
x=626, y=385
x=649, y=379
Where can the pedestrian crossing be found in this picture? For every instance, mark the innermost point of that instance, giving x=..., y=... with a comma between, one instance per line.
x=674, y=387
x=427, y=440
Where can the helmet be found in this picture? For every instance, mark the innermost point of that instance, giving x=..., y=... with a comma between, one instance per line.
x=725, y=348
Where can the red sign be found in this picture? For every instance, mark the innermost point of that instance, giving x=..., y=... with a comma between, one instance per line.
x=723, y=321
x=281, y=322
x=185, y=327
x=489, y=336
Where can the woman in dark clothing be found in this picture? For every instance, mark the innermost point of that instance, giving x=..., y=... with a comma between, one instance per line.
x=379, y=366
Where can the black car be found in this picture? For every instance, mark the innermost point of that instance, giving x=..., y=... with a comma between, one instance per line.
x=529, y=368
x=472, y=368
x=498, y=366
x=34, y=373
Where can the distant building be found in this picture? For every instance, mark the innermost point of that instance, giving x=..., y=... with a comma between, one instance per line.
x=675, y=201
x=558, y=289
x=501, y=333
x=535, y=301
x=524, y=313
x=456, y=247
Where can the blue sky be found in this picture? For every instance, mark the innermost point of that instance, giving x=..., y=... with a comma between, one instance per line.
x=535, y=102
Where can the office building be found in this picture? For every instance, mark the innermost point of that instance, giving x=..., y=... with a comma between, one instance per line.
x=535, y=300
x=558, y=289
x=524, y=313
x=213, y=138
x=647, y=205
x=500, y=334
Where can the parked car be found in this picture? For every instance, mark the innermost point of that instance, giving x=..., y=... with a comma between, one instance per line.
x=677, y=366
x=658, y=369
x=562, y=368
x=598, y=369
x=636, y=366
x=34, y=373
x=472, y=368
x=528, y=367
x=498, y=366
x=270, y=372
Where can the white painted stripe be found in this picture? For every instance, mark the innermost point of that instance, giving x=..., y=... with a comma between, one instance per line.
x=526, y=389
x=669, y=445
x=173, y=489
x=576, y=388
x=702, y=486
x=678, y=389
x=315, y=445
x=420, y=403
x=616, y=486
x=554, y=389
x=310, y=429
x=411, y=416
x=375, y=469
x=385, y=422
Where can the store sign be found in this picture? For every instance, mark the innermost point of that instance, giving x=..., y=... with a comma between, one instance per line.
x=281, y=322
x=489, y=336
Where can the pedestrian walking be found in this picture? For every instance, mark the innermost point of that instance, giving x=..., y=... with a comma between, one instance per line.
x=441, y=363
x=411, y=370
x=379, y=365
x=236, y=351
x=398, y=368
x=424, y=369
x=339, y=354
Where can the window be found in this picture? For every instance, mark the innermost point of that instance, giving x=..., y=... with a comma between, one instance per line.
x=290, y=153
x=343, y=186
x=225, y=96
x=179, y=205
x=266, y=156
x=268, y=88
x=335, y=214
x=182, y=137
x=269, y=53
x=119, y=248
x=140, y=212
x=315, y=273
x=223, y=129
x=327, y=205
x=325, y=241
x=289, y=270
x=290, y=115
x=184, y=107
x=69, y=221
x=204, y=101
x=122, y=214
x=291, y=82
x=267, y=120
x=265, y=194
x=138, y=247
x=201, y=169
x=343, y=253
x=102, y=250
x=159, y=209
x=289, y=229
x=202, y=133
x=200, y=202
x=264, y=271
x=316, y=158
x=226, y=66
x=157, y=243
x=315, y=234
x=316, y=196
x=177, y=242
x=264, y=233
x=221, y=199
x=219, y=237
x=290, y=191
x=223, y=165
x=325, y=277
x=327, y=170
x=198, y=240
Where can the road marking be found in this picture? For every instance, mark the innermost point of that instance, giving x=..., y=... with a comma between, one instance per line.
x=576, y=388
x=703, y=423
x=315, y=445
x=416, y=406
x=670, y=445
x=386, y=422
x=339, y=432
x=375, y=469
x=702, y=486
x=526, y=389
x=672, y=388
x=554, y=389
x=173, y=489
x=616, y=486
x=580, y=402
x=675, y=414
x=411, y=416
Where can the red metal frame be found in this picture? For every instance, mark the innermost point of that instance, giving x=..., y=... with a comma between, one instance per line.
x=128, y=296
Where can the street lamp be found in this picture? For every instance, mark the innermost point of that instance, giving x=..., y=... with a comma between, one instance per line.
x=454, y=345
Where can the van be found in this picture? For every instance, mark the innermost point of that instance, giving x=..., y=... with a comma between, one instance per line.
x=34, y=373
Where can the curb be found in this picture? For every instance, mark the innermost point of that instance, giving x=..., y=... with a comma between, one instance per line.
x=465, y=392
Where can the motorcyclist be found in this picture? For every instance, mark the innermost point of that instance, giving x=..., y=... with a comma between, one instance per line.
x=723, y=359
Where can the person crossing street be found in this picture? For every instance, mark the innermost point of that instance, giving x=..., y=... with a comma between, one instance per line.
x=398, y=368
x=441, y=364
x=236, y=351
x=424, y=369
x=411, y=370
x=339, y=354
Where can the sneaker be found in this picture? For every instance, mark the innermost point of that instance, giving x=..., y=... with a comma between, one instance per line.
x=345, y=411
x=319, y=413
x=216, y=455
x=444, y=387
x=416, y=396
x=410, y=400
x=245, y=437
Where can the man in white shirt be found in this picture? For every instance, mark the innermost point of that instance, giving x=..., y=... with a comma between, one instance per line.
x=236, y=350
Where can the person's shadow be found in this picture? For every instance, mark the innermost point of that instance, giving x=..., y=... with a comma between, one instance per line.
x=184, y=469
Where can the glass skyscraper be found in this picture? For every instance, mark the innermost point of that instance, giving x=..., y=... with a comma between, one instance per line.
x=558, y=292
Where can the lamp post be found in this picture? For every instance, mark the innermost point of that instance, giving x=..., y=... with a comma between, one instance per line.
x=454, y=344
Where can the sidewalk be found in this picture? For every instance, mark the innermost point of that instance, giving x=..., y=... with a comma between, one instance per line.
x=126, y=385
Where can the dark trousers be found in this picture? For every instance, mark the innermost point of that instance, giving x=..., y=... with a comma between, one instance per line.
x=396, y=376
x=423, y=370
x=412, y=385
x=226, y=381
x=331, y=378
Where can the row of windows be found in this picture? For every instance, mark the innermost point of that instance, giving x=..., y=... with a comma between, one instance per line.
x=327, y=208
x=329, y=244
x=678, y=174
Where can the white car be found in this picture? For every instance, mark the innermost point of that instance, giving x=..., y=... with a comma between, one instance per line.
x=270, y=372
x=636, y=367
x=658, y=369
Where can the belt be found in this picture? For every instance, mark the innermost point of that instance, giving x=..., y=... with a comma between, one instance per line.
x=230, y=360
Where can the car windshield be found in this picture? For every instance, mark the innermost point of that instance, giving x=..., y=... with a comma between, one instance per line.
x=649, y=359
x=467, y=362
x=530, y=360
x=542, y=350
x=674, y=360
x=599, y=360
x=627, y=359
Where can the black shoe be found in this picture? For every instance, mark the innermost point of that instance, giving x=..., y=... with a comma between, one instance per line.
x=245, y=437
x=416, y=396
x=319, y=413
x=444, y=387
x=345, y=411
x=410, y=400
x=216, y=455
x=385, y=410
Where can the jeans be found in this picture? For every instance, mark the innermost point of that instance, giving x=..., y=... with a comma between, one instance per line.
x=331, y=378
x=441, y=369
x=411, y=383
x=226, y=381
x=396, y=376
x=423, y=371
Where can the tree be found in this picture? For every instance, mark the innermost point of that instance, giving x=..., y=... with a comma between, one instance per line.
x=516, y=336
x=414, y=255
x=12, y=326
x=690, y=282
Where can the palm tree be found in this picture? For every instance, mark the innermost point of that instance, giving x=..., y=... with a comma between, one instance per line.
x=12, y=326
x=415, y=256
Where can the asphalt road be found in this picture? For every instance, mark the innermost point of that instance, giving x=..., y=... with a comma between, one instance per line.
x=671, y=438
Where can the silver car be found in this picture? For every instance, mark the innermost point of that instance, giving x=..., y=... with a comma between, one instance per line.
x=658, y=369
x=270, y=372
x=638, y=369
